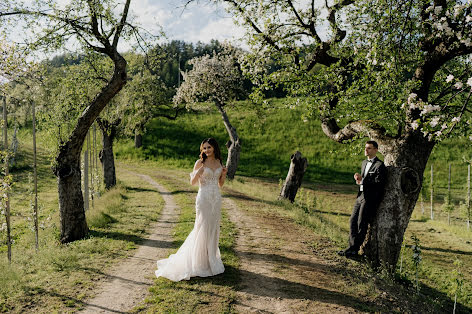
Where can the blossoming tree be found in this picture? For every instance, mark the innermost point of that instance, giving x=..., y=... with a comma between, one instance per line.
x=398, y=72
x=217, y=79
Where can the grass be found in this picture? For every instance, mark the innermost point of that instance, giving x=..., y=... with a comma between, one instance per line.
x=58, y=278
x=441, y=243
x=269, y=138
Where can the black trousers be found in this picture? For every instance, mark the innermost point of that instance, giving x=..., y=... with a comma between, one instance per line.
x=361, y=216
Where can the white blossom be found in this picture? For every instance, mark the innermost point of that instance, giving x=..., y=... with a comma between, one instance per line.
x=411, y=97
x=458, y=85
x=443, y=126
x=457, y=9
x=414, y=125
x=429, y=9
x=429, y=108
x=470, y=137
x=449, y=78
x=456, y=119
x=434, y=121
x=467, y=42
x=438, y=133
x=468, y=19
x=469, y=82
x=437, y=10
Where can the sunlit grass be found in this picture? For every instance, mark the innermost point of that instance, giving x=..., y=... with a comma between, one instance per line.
x=59, y=277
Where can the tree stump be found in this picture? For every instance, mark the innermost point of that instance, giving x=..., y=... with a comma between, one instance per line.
x=294, y=178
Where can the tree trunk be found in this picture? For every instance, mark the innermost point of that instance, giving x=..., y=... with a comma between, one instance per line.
x=406, y=160
x=106, y=154
x=294, y=178
x=233, y=145
x=138, y=138
x=67, y=166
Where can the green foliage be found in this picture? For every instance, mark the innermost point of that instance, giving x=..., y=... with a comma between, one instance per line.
x=457, y=279
x=369, y=66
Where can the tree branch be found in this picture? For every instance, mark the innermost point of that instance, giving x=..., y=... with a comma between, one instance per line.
x=122, y=24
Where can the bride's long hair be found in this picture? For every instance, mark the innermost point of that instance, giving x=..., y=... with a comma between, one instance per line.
x=216, y=149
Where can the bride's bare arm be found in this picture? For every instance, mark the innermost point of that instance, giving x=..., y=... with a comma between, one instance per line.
x=196, y=173
x=222, y=178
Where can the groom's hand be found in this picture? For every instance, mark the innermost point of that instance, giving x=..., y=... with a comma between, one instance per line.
x=358, y=178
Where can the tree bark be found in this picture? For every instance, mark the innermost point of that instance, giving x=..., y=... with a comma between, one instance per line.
x=67, y=166
x=406, y=160
x=294, y=178
x=233, y=145
x=138, y=137
x=106, y=156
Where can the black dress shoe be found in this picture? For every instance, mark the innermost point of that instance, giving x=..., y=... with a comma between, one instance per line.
x=350, y=254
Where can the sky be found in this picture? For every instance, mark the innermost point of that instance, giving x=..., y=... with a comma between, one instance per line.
x=199, y=21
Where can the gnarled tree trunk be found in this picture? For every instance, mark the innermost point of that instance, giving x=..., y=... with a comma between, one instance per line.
x=106, y=154
x=67, y=167
x=294, y=178
x=406, y=161
x=233, y=145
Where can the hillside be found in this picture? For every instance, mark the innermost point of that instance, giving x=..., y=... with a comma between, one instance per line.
x=270, y=136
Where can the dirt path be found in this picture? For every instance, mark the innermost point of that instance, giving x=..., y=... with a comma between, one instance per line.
x=127, y=284
x=279, y=272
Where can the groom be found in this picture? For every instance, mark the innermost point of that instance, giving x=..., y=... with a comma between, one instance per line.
x=371, y=183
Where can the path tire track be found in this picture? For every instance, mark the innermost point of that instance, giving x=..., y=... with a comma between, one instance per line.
x=126, y=285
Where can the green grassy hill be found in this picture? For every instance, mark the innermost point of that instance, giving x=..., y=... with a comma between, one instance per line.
x=269, y=138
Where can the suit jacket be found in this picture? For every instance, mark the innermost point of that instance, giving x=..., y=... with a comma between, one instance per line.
x=374, y=181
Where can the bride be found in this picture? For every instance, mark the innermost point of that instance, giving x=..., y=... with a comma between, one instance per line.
x=199, y=255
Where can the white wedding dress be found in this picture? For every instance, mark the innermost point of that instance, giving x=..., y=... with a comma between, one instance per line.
x=199, y=255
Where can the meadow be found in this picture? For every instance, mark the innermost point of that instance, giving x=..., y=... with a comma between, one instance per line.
x=59, y=278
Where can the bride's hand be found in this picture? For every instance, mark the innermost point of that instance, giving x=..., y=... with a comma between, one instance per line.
x=224, y=171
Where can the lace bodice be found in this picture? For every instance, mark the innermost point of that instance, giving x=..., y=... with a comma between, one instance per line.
x=210, y=177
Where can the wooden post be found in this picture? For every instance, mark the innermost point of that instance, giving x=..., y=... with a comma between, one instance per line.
x=95, y=156
x=468, y=197
x=449, y=184
x=294, y=178
x=90, y=149
x=86, y=183
x=35, y=178
x=7, y=201
x=432, y=209
x=422, y=202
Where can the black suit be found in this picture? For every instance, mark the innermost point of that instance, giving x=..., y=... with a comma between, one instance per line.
x=367, y=201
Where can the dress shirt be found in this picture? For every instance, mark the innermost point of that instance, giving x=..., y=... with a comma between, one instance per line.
x=366, y=170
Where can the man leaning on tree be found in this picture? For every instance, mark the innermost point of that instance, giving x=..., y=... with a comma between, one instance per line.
x=371, y=184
